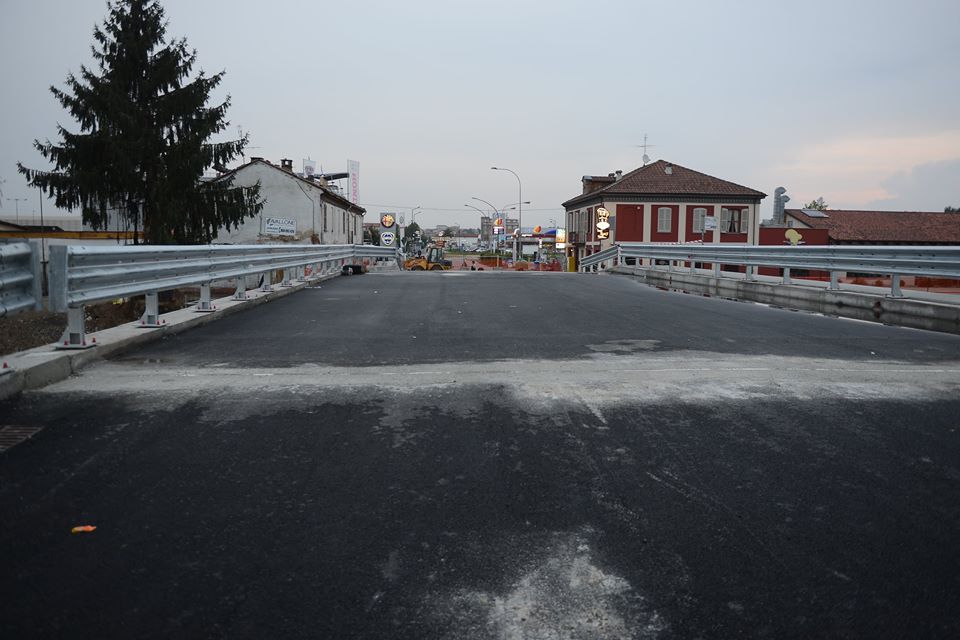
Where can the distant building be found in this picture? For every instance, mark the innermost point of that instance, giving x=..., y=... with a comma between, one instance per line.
x=878, y=227
x=660, y=202
x=296, y=209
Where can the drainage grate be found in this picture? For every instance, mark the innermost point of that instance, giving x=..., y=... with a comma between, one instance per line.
x=13, y=434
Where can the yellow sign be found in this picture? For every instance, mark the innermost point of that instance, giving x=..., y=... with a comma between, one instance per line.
x=793, y=236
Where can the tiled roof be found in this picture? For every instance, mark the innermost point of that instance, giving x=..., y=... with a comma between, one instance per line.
x=653, y=180
x=885, y=226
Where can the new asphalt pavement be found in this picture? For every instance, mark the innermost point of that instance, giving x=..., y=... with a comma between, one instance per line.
x=493, y=455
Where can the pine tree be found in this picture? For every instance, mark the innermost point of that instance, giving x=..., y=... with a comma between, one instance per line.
x=145, y=136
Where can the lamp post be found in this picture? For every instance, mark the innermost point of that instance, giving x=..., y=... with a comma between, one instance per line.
x=483, y=215
x=511, y=207
x=486, y=203
x=413, y=220
x=16, y=202
x=495, y=213
x=519, y=211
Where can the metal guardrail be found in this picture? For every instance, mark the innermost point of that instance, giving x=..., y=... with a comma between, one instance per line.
x=19, y=278
x=20, y=282
x=83, y=274
x=896, y=261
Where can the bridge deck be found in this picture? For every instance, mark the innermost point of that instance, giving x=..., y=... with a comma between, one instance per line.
x=493, y=455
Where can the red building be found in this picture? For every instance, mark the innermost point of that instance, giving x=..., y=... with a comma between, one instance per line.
x=876, y=227
x=660, y=202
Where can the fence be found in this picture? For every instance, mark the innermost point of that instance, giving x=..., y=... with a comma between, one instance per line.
x=896, y=261
x=82, y=275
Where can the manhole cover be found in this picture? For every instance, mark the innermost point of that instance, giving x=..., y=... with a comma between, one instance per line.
x=13, y=434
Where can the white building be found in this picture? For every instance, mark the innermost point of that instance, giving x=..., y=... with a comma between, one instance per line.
x=296, y=209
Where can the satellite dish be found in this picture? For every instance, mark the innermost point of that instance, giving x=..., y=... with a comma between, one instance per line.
x=646, y=159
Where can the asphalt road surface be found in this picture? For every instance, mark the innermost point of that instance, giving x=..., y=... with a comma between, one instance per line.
x=493, y=455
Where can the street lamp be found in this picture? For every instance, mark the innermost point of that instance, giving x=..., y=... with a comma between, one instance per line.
x=519, y=211
x=511, y=207
x=483, y=215
x=413, y=220
x=16, y=202
x=495, y=214
x=486, y=203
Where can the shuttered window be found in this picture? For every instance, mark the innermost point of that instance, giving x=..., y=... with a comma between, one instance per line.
x=663, y=219
x=698, y=215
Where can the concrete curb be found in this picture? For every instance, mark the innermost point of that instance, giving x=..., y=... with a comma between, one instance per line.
x=45, y=365
x=873, y=307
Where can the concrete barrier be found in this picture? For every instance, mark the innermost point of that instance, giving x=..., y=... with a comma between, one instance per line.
x=934, y=315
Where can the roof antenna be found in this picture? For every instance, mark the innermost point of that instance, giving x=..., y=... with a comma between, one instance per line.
x=644, y=146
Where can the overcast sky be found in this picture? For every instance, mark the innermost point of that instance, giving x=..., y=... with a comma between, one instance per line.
x=854, y=101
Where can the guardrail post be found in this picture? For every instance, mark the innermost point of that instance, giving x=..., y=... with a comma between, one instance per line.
x=786, y=275
x=895, y=291
x=151, y=312
x=619, y=260
x=265, y=287
x=204, y=305
x=286, y=279
x=716, y=269
x=748, y=273
x=302, y=273
x=75, y=335
x=241, y=292
x=834, y=280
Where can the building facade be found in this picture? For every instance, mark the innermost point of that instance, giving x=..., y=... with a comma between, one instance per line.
x=659, y=202
x=296, y=209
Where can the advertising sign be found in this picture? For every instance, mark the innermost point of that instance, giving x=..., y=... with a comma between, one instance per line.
x=561, y=239
x=280, y=226
x=603, y=224
x=709, y=223
x=353, y=167
x=388, y=229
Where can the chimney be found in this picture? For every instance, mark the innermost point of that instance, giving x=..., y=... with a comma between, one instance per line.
x=286, y=164
x=668, y=169
x=587, y=184
x=256, y=159
x=619, y=174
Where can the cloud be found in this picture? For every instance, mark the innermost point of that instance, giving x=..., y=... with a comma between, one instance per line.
x=927, y=187
x=908, y=172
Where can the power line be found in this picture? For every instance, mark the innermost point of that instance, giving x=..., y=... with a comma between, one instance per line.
x=407, y=207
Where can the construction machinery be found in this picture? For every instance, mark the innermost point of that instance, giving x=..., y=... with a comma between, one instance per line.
x=432, y=261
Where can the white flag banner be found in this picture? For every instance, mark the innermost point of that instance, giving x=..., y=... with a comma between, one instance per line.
x=353, y=167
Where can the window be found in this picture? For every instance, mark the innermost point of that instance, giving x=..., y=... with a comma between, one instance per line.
x=663, y=219
x=734, y=220
x=698, y=215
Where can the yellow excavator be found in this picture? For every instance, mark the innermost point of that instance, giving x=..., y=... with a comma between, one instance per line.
x=432, y=261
